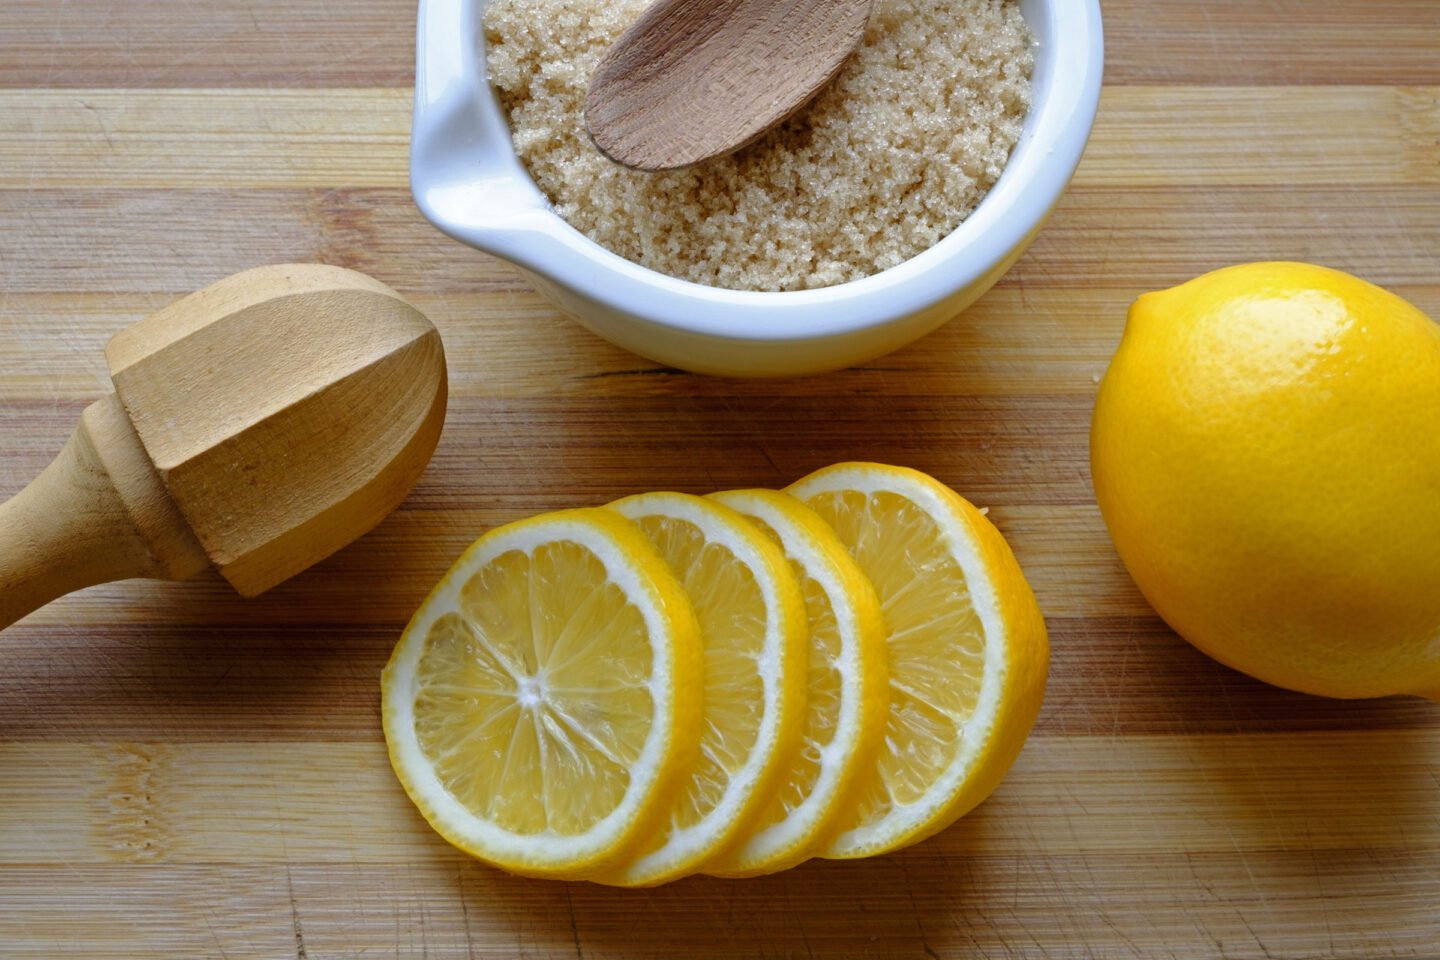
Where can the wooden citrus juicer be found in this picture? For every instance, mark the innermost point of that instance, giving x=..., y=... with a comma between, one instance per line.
x=258, y=426
x=692, y=80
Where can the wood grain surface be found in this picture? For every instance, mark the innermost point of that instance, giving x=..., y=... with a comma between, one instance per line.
x=186, y=774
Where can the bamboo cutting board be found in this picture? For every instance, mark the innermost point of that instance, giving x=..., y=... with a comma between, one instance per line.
x=185, y=774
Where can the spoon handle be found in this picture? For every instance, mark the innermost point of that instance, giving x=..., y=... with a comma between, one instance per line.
x=98, y=513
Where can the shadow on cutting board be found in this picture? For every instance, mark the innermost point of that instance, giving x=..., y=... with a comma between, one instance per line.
x=886, y=907
x=194, y=661
x=1103, y=857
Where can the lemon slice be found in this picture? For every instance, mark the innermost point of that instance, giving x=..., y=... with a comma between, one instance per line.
x=752, y=628
x=539, y=708
x=847, y=698
x=965, y=642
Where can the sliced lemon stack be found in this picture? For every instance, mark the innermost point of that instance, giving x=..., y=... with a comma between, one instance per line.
x=727, y=685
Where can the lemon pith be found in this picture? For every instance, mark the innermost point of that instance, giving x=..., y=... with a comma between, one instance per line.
x=534, y=707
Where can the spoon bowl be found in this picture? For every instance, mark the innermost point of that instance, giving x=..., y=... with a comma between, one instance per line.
x=692, y=80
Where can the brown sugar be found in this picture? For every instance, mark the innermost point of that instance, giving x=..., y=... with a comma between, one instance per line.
x=886, y=161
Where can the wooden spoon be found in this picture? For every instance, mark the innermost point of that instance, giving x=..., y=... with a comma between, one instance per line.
x=696, y=79
x=258, y=425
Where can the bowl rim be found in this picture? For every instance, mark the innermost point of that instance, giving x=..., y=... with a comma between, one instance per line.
x=491, y=203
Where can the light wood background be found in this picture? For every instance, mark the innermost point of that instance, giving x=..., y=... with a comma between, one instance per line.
x=185, y=774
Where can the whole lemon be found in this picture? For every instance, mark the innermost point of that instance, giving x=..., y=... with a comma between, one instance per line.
x=1266, y=454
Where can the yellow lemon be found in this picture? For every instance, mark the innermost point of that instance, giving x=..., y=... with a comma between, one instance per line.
x=754, y=637
x=965, y=644
x=846, y=693
x=1266, y=453
x=540, y=707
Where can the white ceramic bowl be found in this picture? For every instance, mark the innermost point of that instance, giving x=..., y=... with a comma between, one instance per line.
x=468, y=182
